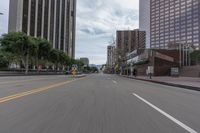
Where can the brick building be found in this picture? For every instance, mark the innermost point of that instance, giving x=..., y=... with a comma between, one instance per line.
x=128, y=41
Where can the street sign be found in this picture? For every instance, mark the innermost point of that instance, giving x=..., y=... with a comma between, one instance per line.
x=174, y=71
x=74, y=69
x=74, y=72
x=150, y=69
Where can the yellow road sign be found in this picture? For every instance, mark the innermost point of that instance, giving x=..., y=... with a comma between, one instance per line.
x=74, y=72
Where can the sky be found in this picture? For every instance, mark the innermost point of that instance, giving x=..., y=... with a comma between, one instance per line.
x=97, y=22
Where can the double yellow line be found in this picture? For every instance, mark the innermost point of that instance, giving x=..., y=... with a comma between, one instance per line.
x=21, y=81
x=34, y=91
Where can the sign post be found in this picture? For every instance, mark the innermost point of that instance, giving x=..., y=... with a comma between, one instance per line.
x=150, y=71
x=175, y=71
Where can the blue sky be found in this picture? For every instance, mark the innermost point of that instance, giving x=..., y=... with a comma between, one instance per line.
x=97, y=22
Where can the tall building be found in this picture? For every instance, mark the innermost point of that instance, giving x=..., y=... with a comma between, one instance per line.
x=174, y=22
x=111, y=55
x=54, y=20
x=144, y=19
x=128, y=41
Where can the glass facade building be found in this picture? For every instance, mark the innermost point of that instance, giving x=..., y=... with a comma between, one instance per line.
x=53, y=20
x=174, y=21
x=144, y=19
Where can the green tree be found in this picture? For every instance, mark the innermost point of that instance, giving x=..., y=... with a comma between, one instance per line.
x=4, y=62
x=43, y=51
x=195, y=56
x=6, y=59
x=54, y=57
x=63, y=59
x=20, y=45
x=29, y=50
x=79, y=63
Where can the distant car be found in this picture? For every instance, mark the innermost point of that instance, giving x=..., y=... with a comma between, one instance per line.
x=67, y=72
x=79, y=73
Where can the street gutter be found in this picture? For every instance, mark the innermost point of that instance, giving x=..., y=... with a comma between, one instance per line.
x=166, y=83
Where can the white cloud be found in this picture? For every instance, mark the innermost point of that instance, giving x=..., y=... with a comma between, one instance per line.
x=4, y=18
x=97, y=21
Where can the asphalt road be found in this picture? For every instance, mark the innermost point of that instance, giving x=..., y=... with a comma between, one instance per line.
x=95, y=104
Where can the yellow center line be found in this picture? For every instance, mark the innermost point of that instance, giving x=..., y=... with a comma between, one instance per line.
x=21, y=81
x=34, y=91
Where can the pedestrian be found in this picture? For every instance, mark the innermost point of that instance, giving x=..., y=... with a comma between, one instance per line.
x=134, y=72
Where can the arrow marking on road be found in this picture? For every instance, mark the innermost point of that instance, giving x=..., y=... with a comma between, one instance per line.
x=190, y=130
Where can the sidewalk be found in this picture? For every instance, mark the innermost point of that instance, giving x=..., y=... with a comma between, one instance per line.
x=183, y=82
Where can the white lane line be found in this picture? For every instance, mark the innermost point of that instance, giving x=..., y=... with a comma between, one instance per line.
x=115, y=82
x=190, y=130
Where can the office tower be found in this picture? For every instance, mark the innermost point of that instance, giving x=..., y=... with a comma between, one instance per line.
x=144, y=19
x=174, y=22
x=54, y=20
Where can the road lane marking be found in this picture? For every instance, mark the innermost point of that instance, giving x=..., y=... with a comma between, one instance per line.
x=34, y=91
x=115, y=82
x=26, y=80
x=190, y=130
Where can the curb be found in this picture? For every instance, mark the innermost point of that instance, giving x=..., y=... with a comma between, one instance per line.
x=168, y=84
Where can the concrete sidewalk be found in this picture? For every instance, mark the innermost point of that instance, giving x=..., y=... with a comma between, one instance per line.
x=183, y=82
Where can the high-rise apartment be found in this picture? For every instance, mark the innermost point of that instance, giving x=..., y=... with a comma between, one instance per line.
x=144, y=19
x=54, y=20
x=174, y=22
